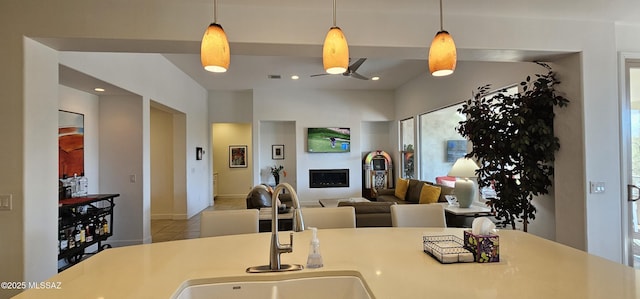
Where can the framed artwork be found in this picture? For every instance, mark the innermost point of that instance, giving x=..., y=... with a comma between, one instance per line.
x=456, y=149
x=70, y=144
x=199, y=153
x=237, y=156
x=277, y=152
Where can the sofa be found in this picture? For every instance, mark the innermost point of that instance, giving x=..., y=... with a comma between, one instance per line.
x=260, y=197
x=371, y=214
x=413, y=193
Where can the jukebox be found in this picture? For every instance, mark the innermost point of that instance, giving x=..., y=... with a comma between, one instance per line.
x=377, y=173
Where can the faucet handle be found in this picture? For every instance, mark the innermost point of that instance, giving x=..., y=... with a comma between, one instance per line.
x=291, y=240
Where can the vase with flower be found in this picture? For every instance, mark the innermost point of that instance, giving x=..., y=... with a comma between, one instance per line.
x=275, y=171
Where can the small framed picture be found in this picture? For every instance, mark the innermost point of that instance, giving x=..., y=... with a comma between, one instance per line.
x=237, y=156
x=277, y=152
x=199, y=153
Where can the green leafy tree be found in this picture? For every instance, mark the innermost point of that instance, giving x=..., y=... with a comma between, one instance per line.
x=514, y=143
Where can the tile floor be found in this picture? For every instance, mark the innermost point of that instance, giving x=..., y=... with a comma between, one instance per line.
x=169, y=230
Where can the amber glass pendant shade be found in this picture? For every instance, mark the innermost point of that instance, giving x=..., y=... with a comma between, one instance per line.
x=214, y=50
x=442, y=55
x=335, y=52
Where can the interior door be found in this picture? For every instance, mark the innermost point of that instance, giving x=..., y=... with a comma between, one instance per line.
x=631, y=131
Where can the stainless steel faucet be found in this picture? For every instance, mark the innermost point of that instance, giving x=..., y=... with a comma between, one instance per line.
x=276, y=248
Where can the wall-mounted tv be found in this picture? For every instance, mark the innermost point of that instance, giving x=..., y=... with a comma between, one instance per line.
x=328, y=140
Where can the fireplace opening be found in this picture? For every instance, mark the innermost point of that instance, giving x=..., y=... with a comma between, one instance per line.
x=328, y=178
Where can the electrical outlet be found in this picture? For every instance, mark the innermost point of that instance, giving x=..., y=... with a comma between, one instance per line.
x=596, y=187
x=6, y=200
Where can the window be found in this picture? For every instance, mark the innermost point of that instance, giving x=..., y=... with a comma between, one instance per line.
x=440, y=143
x=407, y=140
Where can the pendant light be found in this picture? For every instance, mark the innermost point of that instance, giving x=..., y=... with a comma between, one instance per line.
x=335, y=52
x=214, y=50
x=442, y=53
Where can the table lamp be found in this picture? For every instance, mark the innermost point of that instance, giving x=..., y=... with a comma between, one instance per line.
x=465, y=189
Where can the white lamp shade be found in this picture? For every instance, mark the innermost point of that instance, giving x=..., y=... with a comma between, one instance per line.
x=464, y=168
x=442, y=55
x=214, y=50
x=335, y=52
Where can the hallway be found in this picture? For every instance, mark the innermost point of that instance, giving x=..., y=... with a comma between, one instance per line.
x=169, y=230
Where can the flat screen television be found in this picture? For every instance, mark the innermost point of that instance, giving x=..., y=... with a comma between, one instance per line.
x=328, y=140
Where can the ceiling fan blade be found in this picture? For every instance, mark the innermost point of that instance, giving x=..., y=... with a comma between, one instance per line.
x=354, y=67
x=318, y=75
x=358, y=76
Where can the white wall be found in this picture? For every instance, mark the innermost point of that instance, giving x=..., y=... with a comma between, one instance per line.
x=273, y=133
x=41, y=166
x=377, y=135
x=318, y=108
x=569, y=182
x=627, y=37
x=230, y=106
x=121, y=145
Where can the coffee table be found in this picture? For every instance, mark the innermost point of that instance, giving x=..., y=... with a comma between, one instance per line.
x=333, y=202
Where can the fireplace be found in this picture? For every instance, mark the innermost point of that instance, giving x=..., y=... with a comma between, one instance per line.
x=328, y=178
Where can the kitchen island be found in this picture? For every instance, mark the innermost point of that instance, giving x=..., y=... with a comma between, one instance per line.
x=391, y=262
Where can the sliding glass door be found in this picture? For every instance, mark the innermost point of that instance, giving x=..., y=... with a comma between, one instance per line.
x=631, y=131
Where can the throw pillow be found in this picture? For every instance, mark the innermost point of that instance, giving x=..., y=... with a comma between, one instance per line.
x=429, y=194
x=401, y=188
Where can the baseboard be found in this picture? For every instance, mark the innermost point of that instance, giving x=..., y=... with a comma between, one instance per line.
x=161, y=216
x=179, y=217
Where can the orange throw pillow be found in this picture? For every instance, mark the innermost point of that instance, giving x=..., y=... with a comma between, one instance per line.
x=429, y=194
x=401, y=188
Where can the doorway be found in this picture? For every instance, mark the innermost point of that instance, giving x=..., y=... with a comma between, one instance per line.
x=232, y=180
x=631, y=154
x=167, y=162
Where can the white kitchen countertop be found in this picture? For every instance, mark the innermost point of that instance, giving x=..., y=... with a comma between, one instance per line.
x=390, y=260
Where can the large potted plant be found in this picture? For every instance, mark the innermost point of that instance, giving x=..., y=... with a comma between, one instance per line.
x=514, y=143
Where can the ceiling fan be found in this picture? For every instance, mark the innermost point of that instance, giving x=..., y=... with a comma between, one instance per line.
x=351, y=70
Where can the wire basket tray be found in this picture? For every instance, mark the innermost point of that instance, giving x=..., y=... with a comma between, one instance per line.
x=447, y=249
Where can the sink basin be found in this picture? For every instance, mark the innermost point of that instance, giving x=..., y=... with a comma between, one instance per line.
x=278, y=287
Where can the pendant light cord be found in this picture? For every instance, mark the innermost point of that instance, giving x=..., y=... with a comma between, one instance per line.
x=334, y=13
x=441, y=27
x=215, y=11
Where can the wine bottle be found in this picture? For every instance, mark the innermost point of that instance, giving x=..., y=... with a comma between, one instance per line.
x=88, y=236
x=71, y=238
x=64, y=242
x=105, y=226
x=77, y=237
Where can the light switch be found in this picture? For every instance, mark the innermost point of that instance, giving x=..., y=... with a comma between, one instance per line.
x=5, y=202
x=132, y=178
x=596, y=187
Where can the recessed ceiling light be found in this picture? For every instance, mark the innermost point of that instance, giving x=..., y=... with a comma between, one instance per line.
x=376, y=78
x=99, y=89
x=295, y=77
